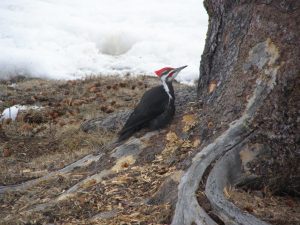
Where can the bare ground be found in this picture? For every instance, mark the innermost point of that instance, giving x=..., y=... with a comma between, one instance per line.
x=41, y=143
x=274, y=209
x=131, y=190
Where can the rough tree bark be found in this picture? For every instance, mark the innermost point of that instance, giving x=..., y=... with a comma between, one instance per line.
x=249, y=88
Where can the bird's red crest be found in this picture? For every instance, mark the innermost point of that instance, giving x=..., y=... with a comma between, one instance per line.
x=161, y=71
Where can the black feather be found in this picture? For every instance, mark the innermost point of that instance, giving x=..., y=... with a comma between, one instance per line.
x=155, y=110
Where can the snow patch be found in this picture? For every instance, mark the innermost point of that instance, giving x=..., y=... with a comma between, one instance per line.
x=12, y=112
x=117, y=43
x=70, y=39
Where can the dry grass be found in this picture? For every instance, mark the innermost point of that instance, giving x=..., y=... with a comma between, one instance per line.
x=46, y=140
x=278, y=210
x=50, y=138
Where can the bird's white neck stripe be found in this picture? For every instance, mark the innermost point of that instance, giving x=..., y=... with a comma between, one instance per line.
x=166, y=88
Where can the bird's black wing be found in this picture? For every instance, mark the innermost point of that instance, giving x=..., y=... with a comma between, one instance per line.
x=152, y=104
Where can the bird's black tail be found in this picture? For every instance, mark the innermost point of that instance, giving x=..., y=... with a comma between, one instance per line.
x=130, y=128
x=123, y=135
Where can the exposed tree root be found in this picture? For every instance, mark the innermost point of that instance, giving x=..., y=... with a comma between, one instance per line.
x=83, y=162
x=125, y=149
x=124, y=154
x=187, y=209
x=225, y=172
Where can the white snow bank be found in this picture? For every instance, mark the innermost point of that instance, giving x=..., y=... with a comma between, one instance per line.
x=12, y=112
x=74, y=38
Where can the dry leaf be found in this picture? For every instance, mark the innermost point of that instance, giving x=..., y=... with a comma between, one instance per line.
x=89, y=183
x=187, y=144
x=226, y=192
x=119, y=166
x=6, y=152
x=196, y=143
x=189, y=121
x=93, y=89
x=171, y=136
x=212, y=86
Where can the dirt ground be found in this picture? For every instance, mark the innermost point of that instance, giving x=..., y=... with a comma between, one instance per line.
x=47, y=139
x=279, y=210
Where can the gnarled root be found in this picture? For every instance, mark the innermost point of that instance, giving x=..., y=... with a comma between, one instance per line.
x=188, y=211
x=225, y=172
x=83, y=162
x=125, y=153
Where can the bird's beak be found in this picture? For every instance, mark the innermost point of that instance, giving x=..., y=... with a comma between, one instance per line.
x=177, y=70
x=180, y=68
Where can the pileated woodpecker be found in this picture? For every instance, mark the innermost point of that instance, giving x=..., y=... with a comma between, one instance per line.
x=156, y=108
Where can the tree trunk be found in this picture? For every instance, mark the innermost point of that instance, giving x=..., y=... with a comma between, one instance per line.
x=248, y=40
x=249, y=89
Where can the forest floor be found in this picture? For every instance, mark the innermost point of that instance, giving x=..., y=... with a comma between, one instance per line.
x=49, y=138
x=279, y=210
